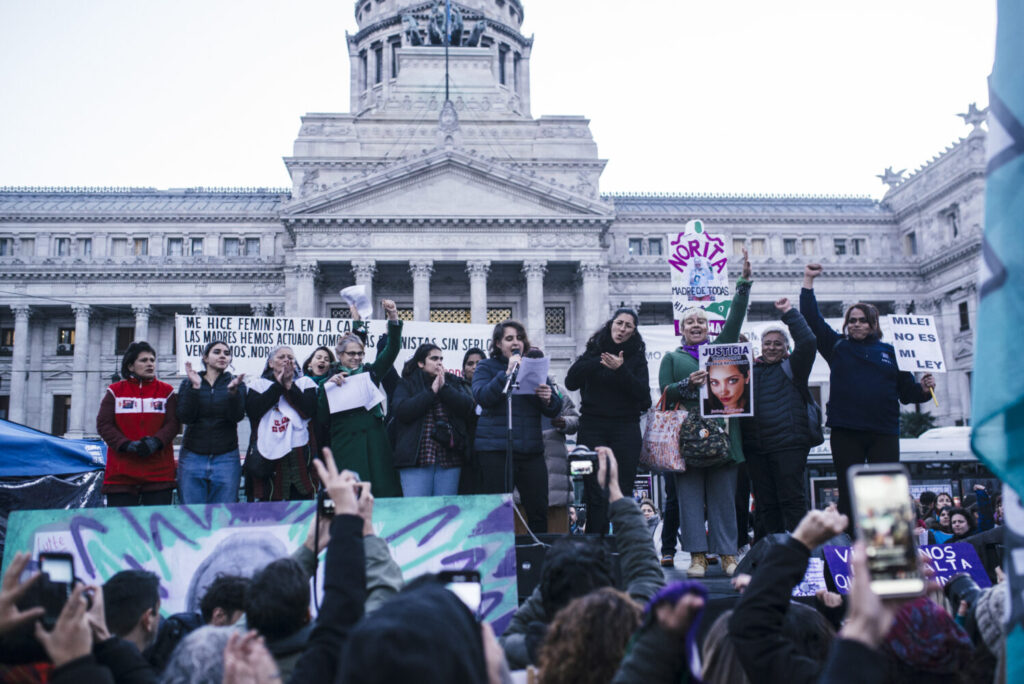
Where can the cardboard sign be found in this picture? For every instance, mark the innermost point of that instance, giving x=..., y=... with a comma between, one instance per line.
x=946, y=560
x=729, y=390
x=699, y=263
x=251, y=339
x=916, y=341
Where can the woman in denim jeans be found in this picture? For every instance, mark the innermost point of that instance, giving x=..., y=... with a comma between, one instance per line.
x=210, y=405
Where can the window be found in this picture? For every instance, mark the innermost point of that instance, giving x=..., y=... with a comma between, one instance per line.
x=65, y=341
x=857, y=246
x=840, y=246
x=61, y=412
x=63, y=247
x=5, y=406
x=952, y=216
x=516, y=58
x=910, y=243
x=125, y=336
x=738, y=245
x=232, y=247
x=252, y=247
x=363, y=70
x=448, y=315
x=808, y=245
x=636, y=246
x=395, y=44
x=758, y=247
x=655, y=313
x=654, y=246
x=85, y=247
x=554, y=320
x=789, y=246
x=496, y=316
x=175, y=247
x=119, y=247
x=762, y=311
x=378, y=63
x=502, y=55
x=6, y=341
x=965, y=318
x=6, y=247
x=140, y=247
x=196, y=248
x=28, y=247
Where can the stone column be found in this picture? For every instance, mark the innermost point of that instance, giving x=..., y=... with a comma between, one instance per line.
x=478, y=271
x=591, y=273
x=142, y=313
x=535, y=325
x=364, y=270
x=304, y=290
x=421, y=270
x=19, y=365
x=80, y=366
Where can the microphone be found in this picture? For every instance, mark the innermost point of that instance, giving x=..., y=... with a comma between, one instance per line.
x=511, y=382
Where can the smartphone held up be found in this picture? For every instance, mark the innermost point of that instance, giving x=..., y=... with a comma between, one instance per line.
x=884, y=515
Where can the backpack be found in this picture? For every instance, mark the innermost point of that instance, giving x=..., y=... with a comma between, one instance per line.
x=813, y=410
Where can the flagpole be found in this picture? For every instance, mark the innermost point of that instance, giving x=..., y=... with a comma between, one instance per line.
x=447, y=42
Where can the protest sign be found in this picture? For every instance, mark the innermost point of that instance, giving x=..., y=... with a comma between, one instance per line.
x=916, y=341
x=814, y=579
x=251, y=339
x=188, y=546
x=698, y=263
x=946, y=560
x=729, y=389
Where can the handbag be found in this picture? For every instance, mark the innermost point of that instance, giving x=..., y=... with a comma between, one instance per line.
x=660, y=449
x=703, y=442
x=256, y=466
x=813, y=410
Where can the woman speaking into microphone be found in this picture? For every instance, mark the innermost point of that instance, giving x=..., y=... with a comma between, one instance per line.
x=509, y=343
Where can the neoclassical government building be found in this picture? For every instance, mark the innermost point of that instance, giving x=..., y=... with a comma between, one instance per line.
x=471, y=212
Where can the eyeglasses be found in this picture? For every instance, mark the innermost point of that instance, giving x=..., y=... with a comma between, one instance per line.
x=354, y=355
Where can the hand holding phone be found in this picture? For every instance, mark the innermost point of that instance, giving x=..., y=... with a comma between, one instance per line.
x=466, y=585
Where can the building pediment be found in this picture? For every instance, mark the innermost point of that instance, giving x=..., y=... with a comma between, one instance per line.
x=449, y=184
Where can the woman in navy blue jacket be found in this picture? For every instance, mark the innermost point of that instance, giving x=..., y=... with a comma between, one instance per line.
x=865, y=386
x=509, y=344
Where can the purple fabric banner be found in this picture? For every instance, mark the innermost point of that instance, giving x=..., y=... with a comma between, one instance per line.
x=946, y=560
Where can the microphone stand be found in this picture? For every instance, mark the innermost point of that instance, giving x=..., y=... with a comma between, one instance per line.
x=511, y=385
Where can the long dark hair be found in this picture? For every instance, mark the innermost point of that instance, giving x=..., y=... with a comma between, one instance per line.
x=602, y=339
x=418, y=357
x=716, y=404
x=132, y=354
x=330, y=358
x=499, y=332
x=209, y=347
x=870, y=313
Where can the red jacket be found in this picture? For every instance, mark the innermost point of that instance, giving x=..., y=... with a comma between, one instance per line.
x=131, y=410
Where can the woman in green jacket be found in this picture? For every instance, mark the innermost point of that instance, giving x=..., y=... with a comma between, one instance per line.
x=357, y=436
x=713, y=487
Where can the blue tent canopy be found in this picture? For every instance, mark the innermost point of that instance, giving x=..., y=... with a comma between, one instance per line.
x=25, y=452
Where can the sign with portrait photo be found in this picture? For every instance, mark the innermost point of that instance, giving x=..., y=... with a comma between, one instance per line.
x=729, y=390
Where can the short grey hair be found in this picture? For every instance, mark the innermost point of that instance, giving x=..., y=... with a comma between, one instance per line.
x=693, y=312
x=777, y=329
x=199, y=658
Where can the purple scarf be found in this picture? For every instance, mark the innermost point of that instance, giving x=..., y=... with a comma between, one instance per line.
x=671, y=594
x=693, y=349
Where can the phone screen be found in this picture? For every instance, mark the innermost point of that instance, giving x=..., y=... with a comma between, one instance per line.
x=885, y=521
x=465, y=585
x=581, y=467
x=59, y=569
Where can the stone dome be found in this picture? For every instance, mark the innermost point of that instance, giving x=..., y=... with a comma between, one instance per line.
x=508, y=12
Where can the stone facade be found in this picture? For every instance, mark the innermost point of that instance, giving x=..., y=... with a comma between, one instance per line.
x=471, y=212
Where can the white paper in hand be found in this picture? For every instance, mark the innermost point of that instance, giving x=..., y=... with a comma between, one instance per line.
x=532, y=372
x=358, y=391
x=355, y=295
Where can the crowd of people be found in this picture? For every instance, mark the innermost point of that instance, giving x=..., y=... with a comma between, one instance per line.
x=441, y=433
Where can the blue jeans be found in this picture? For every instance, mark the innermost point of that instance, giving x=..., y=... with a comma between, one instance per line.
x=206, y=479
x=430, y=481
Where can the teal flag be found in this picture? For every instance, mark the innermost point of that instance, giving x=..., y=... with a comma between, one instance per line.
x=998, y=393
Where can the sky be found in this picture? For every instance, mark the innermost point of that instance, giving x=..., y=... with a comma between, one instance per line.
x=684, y=96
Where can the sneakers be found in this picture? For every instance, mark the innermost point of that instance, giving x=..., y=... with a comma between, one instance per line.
x=729, y=565
x=698, y=565
x=668, y=560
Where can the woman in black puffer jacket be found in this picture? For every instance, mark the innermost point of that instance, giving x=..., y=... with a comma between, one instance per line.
x=777, y=439
x=615, y=389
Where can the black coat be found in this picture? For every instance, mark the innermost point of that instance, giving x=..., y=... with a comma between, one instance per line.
x=413, y=402
x=780, y=413
x=492, y=426
x=210, y=415
x=621, y=394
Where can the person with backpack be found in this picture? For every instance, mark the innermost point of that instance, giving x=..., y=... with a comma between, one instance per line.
x=777, y=439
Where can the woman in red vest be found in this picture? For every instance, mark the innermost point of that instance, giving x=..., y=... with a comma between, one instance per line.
x=138, y=421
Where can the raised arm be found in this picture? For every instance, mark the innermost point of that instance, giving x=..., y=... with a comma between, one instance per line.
x=738, y=310
x=825, y=336
x=386, y=357
x=804, y=342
